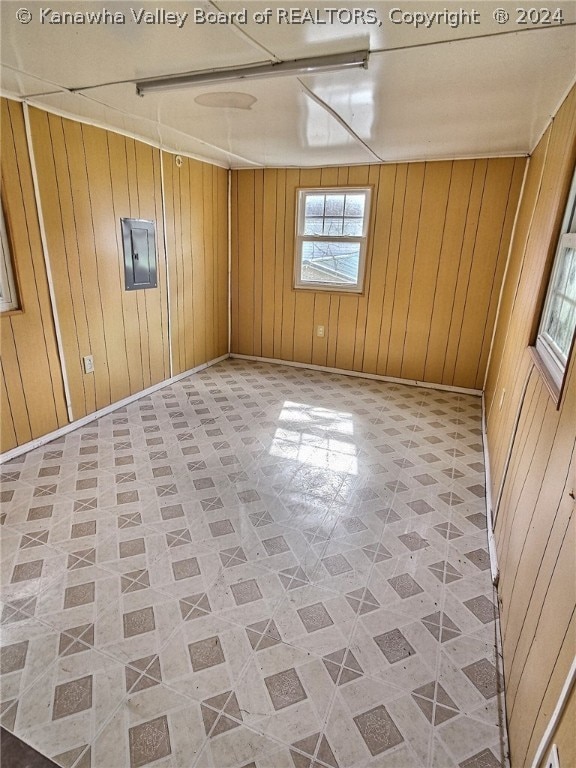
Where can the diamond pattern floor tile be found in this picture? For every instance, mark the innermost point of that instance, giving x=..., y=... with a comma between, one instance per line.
x=255, y=566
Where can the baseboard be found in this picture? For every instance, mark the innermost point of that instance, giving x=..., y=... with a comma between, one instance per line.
x=545, y=742
x=360, y=374
x=37, y=442
x=494, y=570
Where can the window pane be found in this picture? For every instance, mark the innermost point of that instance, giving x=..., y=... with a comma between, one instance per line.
x=313, y=226
x=8, y=296
x=354, y=205
x=552, y=319
x=562, y=276
x=314, y=205
x=565, y=328
x=353, y=227
x=331, y=262
x=560, y=318
x=569, y=288
x=332, y=226
x=335, y=205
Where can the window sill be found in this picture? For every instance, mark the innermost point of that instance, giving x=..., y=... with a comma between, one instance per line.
x=329, y=289
x=553, y=389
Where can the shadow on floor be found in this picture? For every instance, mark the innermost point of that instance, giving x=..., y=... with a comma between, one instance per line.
x=15, y=754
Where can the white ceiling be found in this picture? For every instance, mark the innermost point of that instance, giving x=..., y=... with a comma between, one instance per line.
x=475, y=90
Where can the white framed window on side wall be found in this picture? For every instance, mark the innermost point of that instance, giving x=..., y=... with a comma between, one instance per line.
x=8, y=295
x=555, y=337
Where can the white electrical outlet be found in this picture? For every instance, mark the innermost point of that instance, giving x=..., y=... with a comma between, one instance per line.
x=88, y=364
x=320, y=331
x=552, y=761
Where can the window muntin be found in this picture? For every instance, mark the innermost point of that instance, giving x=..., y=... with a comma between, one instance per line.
x=8, y=295
x=332, y=227
x=558, y=321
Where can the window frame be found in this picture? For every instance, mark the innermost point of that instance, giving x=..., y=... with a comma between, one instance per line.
x=548, y=356
x=7, y=279
x=362, y=240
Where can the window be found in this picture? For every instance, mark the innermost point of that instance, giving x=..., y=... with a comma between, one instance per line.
x=556, y=331
x=331, y=238
x=8, y=296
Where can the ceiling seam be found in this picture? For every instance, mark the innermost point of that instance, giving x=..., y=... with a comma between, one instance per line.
x=254, y=42
x=59, y=88
x=471, y=37
x=242, y=33
x=332, y=112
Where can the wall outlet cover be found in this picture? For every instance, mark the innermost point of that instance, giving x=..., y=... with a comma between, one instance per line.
x=88, y=361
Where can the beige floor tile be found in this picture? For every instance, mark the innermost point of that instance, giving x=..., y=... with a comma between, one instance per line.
x=255, y=567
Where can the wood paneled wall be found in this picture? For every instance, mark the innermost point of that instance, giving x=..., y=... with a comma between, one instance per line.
x=32, y=396
x=564, y=736
x=89, y=179
x=532, y=447
x=196, y=197
x=438, y=243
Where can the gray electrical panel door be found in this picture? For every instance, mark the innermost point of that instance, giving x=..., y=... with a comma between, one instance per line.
x=139, y=254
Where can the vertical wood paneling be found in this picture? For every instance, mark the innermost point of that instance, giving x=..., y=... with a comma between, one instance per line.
x=234, y=256
x=268, y=264
x=246, y=275
x=210, y=321
x=117, y=172
x=409, y=231
x=304, y=330
x=88, y=180
x=52, y=167
x=363, y=176
x=197, y=236
x=532, y=446
x=464, y=294
x=150, y=207
x=7, y=426
x=221, y=260
x=80, y=237
x=258, y=267
x=382, y=207
x=292, y=182
x=32, y=393
x=106, y=243
x=429, y=231
x=494, y=229
x=563, y=735
x=494, y=293
x=439, y=235
x=448, y=269
x=198, y=276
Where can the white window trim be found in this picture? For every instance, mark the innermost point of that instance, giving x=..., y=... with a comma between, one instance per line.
x=358, y=286
x=554, y=361
x=8, y=297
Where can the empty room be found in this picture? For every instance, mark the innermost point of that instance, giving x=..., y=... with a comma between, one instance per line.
x=288, y=384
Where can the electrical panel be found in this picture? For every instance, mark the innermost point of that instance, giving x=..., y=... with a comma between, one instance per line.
x=139, y=237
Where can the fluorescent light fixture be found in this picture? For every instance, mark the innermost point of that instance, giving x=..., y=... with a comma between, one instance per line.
x=311, y=66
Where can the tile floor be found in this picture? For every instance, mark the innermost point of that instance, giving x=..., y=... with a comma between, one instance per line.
x=259, y=566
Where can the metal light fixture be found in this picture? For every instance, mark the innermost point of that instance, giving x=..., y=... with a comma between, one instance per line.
x=310, y=66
